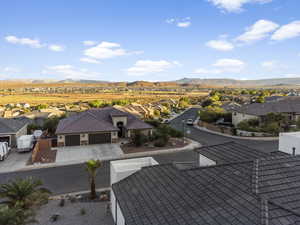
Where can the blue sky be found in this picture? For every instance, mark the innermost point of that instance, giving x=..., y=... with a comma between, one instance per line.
x=153, y=40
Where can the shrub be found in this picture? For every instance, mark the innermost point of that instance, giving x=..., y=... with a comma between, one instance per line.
x=62, y=202
x=82, y=211
x=160, y=142
x=138, y=139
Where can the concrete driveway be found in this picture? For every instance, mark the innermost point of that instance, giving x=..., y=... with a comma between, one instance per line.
x=79, y=154
x=15, y=161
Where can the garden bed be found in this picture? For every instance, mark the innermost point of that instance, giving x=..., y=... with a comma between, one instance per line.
x=149, y=146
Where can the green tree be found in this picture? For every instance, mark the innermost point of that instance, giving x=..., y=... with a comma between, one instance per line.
x=24, y=193
x=51, y=124
x=91, y=166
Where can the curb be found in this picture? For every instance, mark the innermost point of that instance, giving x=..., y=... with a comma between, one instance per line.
x=58, y=196
x=237, y=137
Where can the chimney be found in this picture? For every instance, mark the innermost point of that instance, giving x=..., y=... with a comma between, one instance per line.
x=294, y=151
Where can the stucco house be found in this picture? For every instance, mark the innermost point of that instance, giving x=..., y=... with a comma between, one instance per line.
x=97, y=126
x=288, y=106
x=11, y=129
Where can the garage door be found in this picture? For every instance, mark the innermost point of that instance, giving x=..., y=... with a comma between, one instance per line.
x=99, y=138
x=72, y=140
x=5, y=139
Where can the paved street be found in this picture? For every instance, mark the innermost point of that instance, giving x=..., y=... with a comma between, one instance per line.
x=206, y=138
x=73, y=178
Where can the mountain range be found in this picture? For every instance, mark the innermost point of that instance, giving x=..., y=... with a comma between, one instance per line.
x=181, y=82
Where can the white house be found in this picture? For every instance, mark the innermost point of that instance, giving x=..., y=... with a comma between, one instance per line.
x=119, y=170
x=290, y=143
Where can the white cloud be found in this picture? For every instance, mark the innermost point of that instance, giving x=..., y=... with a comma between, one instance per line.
x=180, y=22
x=170, y=21
x=207, y=71
x=70, y=72
x=222, y=66
x=230, y=65
x=89, y=43
x=287, y=31
x=11, y=70
x=269, y=64
x=291, y=75
x=34, y=43
x=56, y=48
x=234, y=5
x=260, y=30
x=89, y=60
x=149, y=66
x=184, y=24
x=106, y=50
x=221, y=45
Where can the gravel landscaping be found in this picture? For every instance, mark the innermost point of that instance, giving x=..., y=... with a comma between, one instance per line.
x=77, y=213
x=173, y=143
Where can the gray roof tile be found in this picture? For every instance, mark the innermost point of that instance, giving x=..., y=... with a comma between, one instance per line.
x=216, y=195
x=94, y=120
x=10, y=126
x=285, y=105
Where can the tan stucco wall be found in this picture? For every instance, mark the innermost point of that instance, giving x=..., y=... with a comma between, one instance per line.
x=117, y=119
x=238, y=117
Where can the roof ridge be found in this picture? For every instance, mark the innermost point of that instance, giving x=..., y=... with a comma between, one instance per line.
x=220, y=165
x=206, y=146
x=255, y=176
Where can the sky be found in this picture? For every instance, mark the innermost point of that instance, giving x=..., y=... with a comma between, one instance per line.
x=128, y=40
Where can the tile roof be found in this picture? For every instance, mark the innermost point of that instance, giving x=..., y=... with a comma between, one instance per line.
x=10, y=126
x=94, y=120
x=265, y=191
x=230, y=152
x=285, y=105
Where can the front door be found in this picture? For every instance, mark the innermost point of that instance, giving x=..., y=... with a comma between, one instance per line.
x=120, y=125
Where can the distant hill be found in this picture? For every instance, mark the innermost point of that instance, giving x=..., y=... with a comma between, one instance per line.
x=184, y=82
x=233, y=82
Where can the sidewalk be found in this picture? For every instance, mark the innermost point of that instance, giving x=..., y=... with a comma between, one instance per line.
x=193, y=145
x=236, y=137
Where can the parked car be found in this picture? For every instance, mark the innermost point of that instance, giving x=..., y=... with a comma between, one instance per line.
x=166, y=121
x=25, y=143
x=4, y=150
x=190, y=122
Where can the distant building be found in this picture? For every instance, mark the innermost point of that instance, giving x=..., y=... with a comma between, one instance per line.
x=288, y=106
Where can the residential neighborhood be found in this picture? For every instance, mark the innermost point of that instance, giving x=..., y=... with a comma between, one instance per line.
x=150, y=112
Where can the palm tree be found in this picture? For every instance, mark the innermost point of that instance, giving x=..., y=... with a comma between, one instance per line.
x=91, y=167
x=24, y=193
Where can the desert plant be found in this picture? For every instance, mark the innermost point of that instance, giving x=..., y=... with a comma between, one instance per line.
x=82, y=211
x=15, y=216
x=138, y=139
x=91, y=167
x=62, y=202
x=24, y=193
